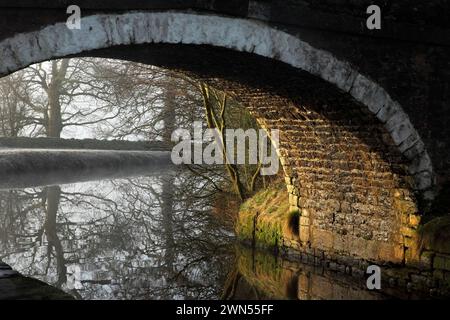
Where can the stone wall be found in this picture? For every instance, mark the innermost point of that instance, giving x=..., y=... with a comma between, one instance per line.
x=313, y=277
x=344, y=172
x=102, y=31
x=334, y=226
x=354, y=163
x=348, y=185
x=420, y=266
x=407, y=57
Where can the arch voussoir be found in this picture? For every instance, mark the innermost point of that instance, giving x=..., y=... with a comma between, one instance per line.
x=333, y=171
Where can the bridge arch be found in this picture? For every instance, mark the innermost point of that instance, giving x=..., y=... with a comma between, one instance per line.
x=368, y=159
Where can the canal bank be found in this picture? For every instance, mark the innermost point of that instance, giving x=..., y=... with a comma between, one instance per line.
x=267, y=221
x=14, y=286
x=37, y=167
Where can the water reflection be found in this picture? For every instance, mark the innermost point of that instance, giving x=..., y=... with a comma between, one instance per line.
x=134, y=238
x=259, y=275
x=146, y=237
x=88, y=172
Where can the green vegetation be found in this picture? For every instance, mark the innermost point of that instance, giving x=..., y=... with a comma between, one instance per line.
x=223, y=113
x=435, y=235
x=265, y=218
x=270, y=276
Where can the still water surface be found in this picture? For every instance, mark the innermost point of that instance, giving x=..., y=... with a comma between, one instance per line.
x=146, y=237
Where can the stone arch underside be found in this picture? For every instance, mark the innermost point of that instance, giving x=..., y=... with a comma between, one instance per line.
x=352, y=160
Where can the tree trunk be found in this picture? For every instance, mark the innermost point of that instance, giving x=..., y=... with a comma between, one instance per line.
x=55, y=125
x=53, y=198
x=218, y=123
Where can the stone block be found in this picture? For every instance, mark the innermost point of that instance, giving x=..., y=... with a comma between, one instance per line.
x=288, y=180
x=411, y=242
x=305, y=213
x=404, y=219
x=408, y=232
x=438, y=274
x=412, y=257
x=421, y=162
x=414, y=220
x=426, y=258
x=323, y=240
x=442, y=262
x=423, y=180
x=390, y=252
x=417, y=148
x=293, y=199
x=304, y=221
x=304, y=234
x=388, y=111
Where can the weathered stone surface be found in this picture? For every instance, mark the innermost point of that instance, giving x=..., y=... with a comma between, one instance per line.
x=354, y=115
x=102, y=31
x=441, y=262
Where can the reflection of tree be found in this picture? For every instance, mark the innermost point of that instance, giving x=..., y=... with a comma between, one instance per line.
x=231, y=285
x=168, y=181
x=17, y=208
x=50, y=226
x=167, y=216
x=118, y=239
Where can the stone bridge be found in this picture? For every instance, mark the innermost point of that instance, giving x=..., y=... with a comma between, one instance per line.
x=363, y=114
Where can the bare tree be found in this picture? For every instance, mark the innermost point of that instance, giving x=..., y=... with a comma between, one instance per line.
x=13, y=111
x=64, y=93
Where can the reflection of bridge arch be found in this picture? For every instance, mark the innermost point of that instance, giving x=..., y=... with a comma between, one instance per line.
x=345, y=144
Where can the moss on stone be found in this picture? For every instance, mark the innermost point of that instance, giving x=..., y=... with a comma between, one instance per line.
x=435, y=235
x=265, y=218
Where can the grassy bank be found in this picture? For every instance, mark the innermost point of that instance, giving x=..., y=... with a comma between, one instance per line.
x=265, y=218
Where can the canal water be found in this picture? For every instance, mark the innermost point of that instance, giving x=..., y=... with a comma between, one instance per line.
x=146, y=237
